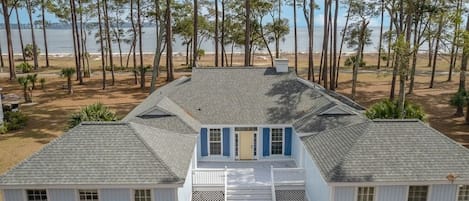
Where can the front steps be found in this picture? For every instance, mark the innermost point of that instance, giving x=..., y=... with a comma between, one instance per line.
x=249, y=193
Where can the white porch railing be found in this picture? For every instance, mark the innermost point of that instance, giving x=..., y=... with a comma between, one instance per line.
x=288, y=176
x=272, y=180
x=209, y=177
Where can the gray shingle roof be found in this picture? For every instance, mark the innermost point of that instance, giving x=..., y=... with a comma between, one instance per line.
x=247, y=96
x=387, y=151
x=105, y=153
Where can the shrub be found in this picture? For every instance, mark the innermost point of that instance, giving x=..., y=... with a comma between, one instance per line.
x=28, y=51
x=458, y=99
x=351, y=60
x=94, y=112
x=3, y=129
x=387, y=109
x=43, y=83
x=25, y=67
x=200, y=53
x=15, y=120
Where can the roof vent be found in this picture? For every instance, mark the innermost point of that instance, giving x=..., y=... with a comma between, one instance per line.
x=281, y=65
x=336, y=110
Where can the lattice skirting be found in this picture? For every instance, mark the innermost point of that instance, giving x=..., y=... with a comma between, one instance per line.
x=208, y=196
x=290, y=195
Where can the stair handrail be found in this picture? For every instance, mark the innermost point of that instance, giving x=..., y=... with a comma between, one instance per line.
x=274, y=198
x=226, y=183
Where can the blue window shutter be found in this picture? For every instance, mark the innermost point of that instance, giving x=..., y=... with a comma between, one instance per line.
x=226, y=141
x=266, y=141
x=203, y=141
x=288, y=141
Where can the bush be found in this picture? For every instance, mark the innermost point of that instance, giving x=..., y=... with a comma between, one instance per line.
x=94, y=112
x=28, y=51
x=15, y=120
x=43, y=83
x=351, y=60
x=458, y=99
x=3, y=129
x=387, y=109
x=25, y=67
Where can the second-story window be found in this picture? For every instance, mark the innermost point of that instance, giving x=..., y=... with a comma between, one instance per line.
x=277, y=141
x=215, y=141
x=463, y=194
x=366, y=194
x=418, y=193
x=88, y=195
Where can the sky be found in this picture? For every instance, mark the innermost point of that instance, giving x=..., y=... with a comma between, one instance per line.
x=287, y=12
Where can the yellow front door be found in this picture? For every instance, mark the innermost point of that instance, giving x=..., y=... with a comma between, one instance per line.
x=246, y=139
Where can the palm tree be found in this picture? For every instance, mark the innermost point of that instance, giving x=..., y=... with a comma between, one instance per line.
x=11, y=60
x=68, y=72
x=33, y=79
x=94, y=112
x=23, y=81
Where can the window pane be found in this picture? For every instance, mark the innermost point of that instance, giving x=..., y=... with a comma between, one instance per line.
x=215, y=148
x=36, y=195
x=277, y=141
x=418, y=193
x=142, y=195
x=365, y=194
x=463, y=193
x=88, y=195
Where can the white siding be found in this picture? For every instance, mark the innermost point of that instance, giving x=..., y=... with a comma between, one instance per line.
x=14, y=194
x=185, y=192
x=316, y=187
x=62, y=195
x=443, y=192
x=297, y=149
x=344, y=194
x=392, y=193
x=114, y=195
x=168, y=194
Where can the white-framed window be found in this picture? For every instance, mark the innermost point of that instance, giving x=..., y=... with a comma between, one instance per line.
x=418, y=193
x=366, y=194
x=276, y=147
x=463, y=193
x=215, y=140
x=36, y=195
x=142, y=195
x=88, y=195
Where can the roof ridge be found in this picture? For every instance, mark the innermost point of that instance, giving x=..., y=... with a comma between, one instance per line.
x=53, y=142
x=147, y=146
x=336, y=129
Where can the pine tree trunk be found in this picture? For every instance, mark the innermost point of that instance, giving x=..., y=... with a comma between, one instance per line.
x=216, y=33
x=435, y=54
x=159, y=42
x=296, y=36
x=20, y=34
x=247, y=35
x=109, y=42
x=44, y=32
x=11, y=60
x=72, y=19
x=335, y=65
x=169, y=45
x=453, y=44
x=140, y=46
x=196, y=30
x=33, y=37
x=223, y=55
x=134, y=39
x=381, y=34
x=103, y=65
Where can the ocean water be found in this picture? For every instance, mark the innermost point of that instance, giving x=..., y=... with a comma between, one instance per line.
x=60, y=42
